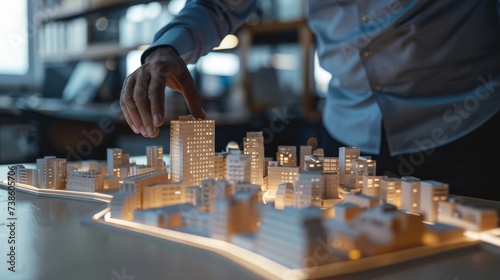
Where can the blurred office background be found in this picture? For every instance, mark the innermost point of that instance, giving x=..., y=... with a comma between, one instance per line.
x=63, y=63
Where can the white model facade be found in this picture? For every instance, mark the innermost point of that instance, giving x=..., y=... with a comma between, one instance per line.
x=192, y=150
x=84, y=181
x=254, y=146
x=51, y=172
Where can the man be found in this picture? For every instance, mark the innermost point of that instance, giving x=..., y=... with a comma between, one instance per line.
x=415, y=82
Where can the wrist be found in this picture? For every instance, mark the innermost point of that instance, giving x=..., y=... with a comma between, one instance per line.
x=159, y=52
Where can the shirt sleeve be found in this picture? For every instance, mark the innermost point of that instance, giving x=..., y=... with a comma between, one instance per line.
x=200, y=26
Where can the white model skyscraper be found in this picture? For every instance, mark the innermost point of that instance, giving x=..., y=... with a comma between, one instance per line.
x=254, y=146
x=347, y=156
x=154, y=156
x=192, y=151
x=52, y=172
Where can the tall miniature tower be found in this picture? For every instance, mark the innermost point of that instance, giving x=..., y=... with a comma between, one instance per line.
x=238, y=168
x=305, y=150
x=287, y=156
x=308, y=189
x=390, y=190
x=52, y=172
x=114, y=160
x=192, y=150
x=410, y=194
x=431, y=192
x=347, y=156
x=254, y=146
x=330, y=165
x=154, y=156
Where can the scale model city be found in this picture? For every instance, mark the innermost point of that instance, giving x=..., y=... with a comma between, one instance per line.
x=298, y=210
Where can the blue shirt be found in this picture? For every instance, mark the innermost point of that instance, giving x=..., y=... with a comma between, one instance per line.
x=428, y=70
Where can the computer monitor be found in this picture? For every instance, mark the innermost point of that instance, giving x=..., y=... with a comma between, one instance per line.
x=18, y=69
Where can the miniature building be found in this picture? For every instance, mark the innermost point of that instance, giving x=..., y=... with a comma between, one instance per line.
x=431, y=193
x=110, y=183
x=308, y=189
x=233, y=148
x=223, y=189
x=347, y=156
x=284, y=196
x=192, y=145
x=26, y=175
x=330, y=165
x=290, y=236
x=137, y=183
x=410, y=194
x=238, y=168
x=123, y=204
x=467, y=217
x=161, y=194
x=304, y=151
x=220, y=165
x=436, y=233
x=280, y=174
x=84, y=181
x=51, y=172
x=371, y=185
x=287, y=156
x=254, y=146
x=164, y=217
x=363, y=167
x=373, y=231
x=237, y=214
x=116, y=159
x=330, y=188
x=87, y=165
x=154, y=155
x=203, y=196
x=346, y=211
x=140, y=169
x=390, y=190
x=362, y=200
x=345, y=190
x=199, y=223
x=313, y=163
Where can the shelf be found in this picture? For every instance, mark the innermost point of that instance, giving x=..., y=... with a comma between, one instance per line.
x=93, y=52
x=65, y=13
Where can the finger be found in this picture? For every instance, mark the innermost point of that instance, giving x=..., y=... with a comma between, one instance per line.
x=142, y=102
x=157, y=99
x=128, y=118
x=191, y=95
x=127, y=102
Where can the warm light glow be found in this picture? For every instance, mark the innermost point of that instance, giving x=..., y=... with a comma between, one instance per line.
x=142, y=47
x=229, y=42
x=354, y=254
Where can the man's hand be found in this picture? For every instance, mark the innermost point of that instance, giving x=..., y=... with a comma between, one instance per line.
x=143, y=95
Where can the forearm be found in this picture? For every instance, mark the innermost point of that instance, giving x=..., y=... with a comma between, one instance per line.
x=200, y=27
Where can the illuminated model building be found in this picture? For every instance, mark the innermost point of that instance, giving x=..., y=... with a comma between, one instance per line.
x=277, y=175
x=410, y=194
x=52, y=172
x=26, y=175
x=254, y=146
x=347, y=157
x=238, y=168
x=390, y=190
x=468, y=217
x=154, y=155
x=431, y=192
x=286, y=156
x=85, y=181
x=192, y=150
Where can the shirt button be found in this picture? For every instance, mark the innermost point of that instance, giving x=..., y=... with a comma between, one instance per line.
x=367, y=53
x=378, y=88
x=365, y=18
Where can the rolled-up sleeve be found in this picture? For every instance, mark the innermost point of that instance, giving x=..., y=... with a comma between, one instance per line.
x=200, y=26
